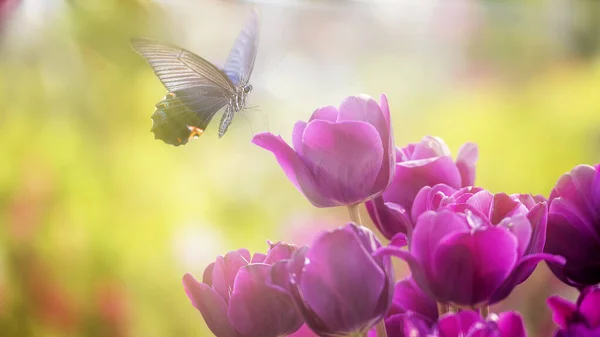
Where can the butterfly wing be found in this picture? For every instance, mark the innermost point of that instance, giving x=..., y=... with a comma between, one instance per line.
x=178, y=68
x=185, y=114
x=240, y=62
x=197, y=90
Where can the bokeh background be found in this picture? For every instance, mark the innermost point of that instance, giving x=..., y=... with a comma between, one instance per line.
x=99, y=221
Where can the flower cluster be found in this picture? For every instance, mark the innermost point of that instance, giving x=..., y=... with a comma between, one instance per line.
x=466, y=248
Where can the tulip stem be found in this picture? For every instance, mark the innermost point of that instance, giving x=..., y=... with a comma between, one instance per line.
x=380, y=329
x=354, y=214
x=485, y=311
x=442, y=308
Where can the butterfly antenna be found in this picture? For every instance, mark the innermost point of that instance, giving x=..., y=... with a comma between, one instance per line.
x=247, y=120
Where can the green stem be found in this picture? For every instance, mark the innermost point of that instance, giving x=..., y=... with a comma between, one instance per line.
x=485, y=311
x=355, y=214
x=380, y=329
x=442, y=308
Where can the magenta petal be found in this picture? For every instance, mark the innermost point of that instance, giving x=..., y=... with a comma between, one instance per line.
x=510, y=324
x=297, y=136
x=590, y=307
x=430, y=229
x=562, y=310
x=519, y=225
x=344, y=158
x=364, y=108
x=328, y=113
x=575, y=187
x=389, y=218
x=211, y=306
x=468, y=267
x=208, y=274
x=399, y=240
x=457, y=325
x=258, y=310
x=483, y=201
x=341, y=294
x=258, y=258
x=466, y=161
x=411, y=176
x=409, y=297
x=522, y=271
x=279, y=251
x=430, y=147
x=538, y=218
x=293, y=167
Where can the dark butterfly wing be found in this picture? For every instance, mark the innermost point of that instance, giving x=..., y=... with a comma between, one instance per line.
x=240, y=62
x=185, y=114
x=178, y=68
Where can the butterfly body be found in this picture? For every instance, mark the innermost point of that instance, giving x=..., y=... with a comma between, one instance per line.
x=197, y=88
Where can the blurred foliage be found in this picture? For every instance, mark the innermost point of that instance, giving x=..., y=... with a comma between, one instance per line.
x=100, y=221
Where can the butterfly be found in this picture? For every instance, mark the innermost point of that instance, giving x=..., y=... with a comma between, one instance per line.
x=197, y=89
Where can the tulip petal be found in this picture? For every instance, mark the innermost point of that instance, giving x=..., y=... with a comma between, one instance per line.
x=293, y=167
x=258, y=258
x=413, y=175
x=430, y=199
x=521, y=228
x=579, y=269
x=590, y=307
x=327, y=113
x=457, y=325
x=208, y=274
x=430, y=229
x=468, y=267
x=522, y=271
x=211, y=306
x=510, y=324
x=562, y=310
x=575, y=187
x=430, y=147
x=364, y=108
x=341, y=296
x=297, y=136
x=468, y=154
x=257, y=310
x=344, y=158
x=409, y=297
x=279, y=251
x=538, y=218
x=483, y=201
x=389, y=218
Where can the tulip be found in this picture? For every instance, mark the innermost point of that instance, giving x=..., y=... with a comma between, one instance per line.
x=574, y=226
x=523, y=215
x=581, y=319
x=463, y=257
x=418, y=165
x=336, y=283
x=470, y=324
x=237, y=299
x=411, y=311
x=340, y=157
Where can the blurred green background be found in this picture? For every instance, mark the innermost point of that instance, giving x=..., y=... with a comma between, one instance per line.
x=99, y=221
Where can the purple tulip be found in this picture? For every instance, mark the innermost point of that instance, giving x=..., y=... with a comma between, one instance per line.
x=574, y=226
x=418, y=165
x=237, y=299
x=341, y=157
x=338, y=286
x=523, y=215
x=581, y=319
x=408, y=324
x=474, y=252
x=470, y=324
x=411, y=310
